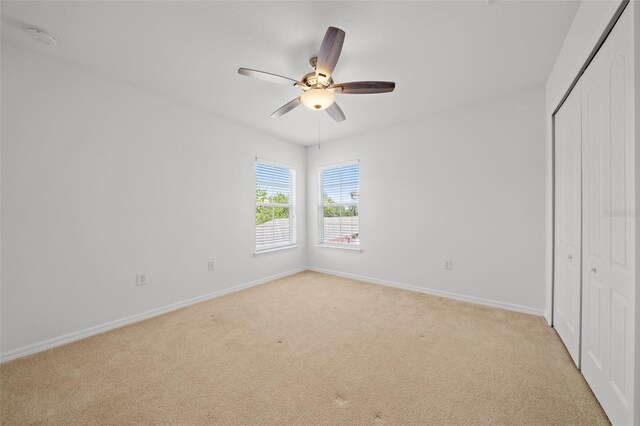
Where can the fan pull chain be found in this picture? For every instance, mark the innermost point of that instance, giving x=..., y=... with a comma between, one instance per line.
x=318, y=131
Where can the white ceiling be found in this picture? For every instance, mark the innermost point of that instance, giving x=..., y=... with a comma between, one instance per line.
x=441, y=54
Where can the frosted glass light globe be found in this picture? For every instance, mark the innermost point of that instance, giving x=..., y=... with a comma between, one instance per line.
x=317, y=99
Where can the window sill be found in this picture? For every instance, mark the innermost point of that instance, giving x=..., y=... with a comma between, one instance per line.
x=340, y=248
x=273, y=250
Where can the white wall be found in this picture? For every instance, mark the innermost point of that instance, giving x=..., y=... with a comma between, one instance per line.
x=101, y=181
x=587, y=27
x=636, y=41
x=466, y=185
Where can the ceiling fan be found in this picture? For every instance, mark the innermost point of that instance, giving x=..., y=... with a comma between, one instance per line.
x=318, y=86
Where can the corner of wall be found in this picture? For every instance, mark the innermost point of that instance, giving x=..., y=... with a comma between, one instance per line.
x=636, y=53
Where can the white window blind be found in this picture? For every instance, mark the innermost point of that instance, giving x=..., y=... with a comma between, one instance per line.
x=338, y=207
x=275, y=206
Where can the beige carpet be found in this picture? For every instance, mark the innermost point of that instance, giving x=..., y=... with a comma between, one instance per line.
x=308, y=349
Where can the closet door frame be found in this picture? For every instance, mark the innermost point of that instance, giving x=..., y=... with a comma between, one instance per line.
x=632, y=411
x=573, y=84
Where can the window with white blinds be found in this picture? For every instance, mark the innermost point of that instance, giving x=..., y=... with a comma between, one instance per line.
x=275, y=206
x=338, y=209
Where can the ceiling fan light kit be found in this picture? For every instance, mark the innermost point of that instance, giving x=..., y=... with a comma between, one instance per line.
x=317, y=99
x=318, y=86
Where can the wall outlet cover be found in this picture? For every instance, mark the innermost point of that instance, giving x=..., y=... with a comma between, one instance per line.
x=141, y=279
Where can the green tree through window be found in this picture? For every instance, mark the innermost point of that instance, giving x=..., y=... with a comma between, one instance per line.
x=338, y=207
x=264, y=213
x=275, y=206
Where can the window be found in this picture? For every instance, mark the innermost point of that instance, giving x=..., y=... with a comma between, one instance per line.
x=275, y=206
x=338, y=215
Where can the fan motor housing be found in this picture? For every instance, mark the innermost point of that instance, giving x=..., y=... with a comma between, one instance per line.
x=311, y=81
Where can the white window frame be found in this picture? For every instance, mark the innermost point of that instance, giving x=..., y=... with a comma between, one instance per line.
x=292, y=243
x=341, y=246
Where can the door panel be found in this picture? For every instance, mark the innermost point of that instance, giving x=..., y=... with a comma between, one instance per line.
x=608, y=223
x=619, y=316
x=592, y=117
x=591, y=340
x=619, y=237
x=566, y=315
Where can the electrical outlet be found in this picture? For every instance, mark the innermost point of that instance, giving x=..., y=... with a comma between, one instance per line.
x=141, y=279
x=448, y=264
x=212, y=266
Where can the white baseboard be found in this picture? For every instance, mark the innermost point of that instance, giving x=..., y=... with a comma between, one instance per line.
x=87, y=332
x=433, y=292
x=91, y=331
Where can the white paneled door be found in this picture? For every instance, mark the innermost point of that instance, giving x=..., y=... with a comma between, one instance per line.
x=566, y=290
x=608, y=154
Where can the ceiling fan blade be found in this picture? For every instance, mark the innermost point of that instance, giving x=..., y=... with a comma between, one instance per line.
x=329, y=51
x=335, y=112
x=267, y=76
x=285, y=108
x=364, y=87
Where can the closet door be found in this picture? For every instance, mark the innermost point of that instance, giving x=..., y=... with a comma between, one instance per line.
x=566, y=283
x=608, y=223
